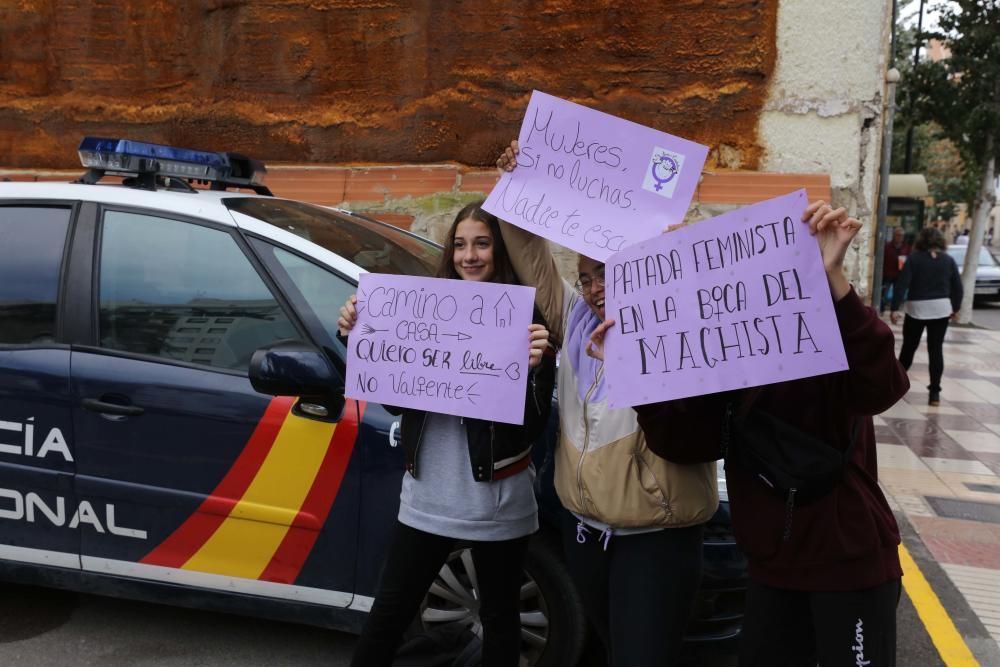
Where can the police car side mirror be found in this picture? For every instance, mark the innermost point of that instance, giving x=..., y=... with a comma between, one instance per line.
x=294, y=368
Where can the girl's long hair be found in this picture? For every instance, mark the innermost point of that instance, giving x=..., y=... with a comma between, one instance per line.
x=503, y=270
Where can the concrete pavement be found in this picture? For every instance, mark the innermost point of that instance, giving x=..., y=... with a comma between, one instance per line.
x=940, y=469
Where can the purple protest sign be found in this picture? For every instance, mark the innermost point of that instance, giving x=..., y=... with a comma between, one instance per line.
x=459, y=347
x=736, y=301
x=593, y=182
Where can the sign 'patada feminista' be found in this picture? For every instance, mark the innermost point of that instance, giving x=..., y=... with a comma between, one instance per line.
x=736, y=301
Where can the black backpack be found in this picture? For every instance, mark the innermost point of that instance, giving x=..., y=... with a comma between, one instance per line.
x=794, y=464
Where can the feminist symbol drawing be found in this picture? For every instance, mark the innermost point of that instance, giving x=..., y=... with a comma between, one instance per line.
x=663, y=169
x=664, y=172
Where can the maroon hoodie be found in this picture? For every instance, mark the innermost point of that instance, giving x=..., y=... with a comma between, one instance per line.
x=846, y=540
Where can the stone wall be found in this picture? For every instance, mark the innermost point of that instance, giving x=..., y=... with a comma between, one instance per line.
x=362, y=81
x=825, y=108
x=786, y=86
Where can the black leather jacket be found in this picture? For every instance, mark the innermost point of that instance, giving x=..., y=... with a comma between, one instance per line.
x=496, y=449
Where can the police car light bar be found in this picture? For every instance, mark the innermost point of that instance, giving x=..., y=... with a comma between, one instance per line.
x=147, y=161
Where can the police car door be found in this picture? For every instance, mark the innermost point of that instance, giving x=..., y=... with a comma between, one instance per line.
x=201, y=474
x=38, y=511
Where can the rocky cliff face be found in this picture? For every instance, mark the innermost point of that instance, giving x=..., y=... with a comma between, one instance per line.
x=373, y=80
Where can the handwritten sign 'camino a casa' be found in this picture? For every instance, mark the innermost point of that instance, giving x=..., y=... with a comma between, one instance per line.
x=458, y=347
x=594, y=182
x=736, y=301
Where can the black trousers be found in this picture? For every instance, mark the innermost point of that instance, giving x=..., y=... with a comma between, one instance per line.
x=413, y=561
x=885, y=302
x=785, y=628
x=639, y=591
x=913, y=330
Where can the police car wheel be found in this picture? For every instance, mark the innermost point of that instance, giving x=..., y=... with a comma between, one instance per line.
x=553, y=627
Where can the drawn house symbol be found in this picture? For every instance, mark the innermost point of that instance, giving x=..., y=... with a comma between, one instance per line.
x=504, y=310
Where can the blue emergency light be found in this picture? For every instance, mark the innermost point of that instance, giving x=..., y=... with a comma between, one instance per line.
x=148, y=165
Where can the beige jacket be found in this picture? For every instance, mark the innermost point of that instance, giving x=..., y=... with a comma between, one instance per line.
x=603, y=469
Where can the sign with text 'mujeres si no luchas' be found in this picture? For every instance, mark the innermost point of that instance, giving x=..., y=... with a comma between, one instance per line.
x=457, y=347
x=737, y=301
x=593, y=182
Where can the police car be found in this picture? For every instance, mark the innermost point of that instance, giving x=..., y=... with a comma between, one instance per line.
x=172, y=419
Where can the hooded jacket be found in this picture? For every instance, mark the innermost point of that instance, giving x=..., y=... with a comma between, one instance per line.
x=846, y=540
x=603, y=469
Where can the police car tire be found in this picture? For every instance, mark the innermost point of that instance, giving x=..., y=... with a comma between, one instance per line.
x=564, y=608
x=556, y=596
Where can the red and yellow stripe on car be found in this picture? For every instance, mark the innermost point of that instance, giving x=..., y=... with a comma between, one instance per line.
x=264, y=516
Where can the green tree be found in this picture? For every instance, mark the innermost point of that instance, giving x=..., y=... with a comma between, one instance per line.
x=961, y=94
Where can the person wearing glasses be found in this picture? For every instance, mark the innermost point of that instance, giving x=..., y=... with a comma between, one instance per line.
x=633, y=535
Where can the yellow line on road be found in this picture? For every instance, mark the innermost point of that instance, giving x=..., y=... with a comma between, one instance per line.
x=948, y=642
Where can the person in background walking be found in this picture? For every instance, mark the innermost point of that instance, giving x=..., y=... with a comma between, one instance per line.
x=896, y=250
x=932, y=289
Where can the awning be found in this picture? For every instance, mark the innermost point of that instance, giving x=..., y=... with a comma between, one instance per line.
x=913, y=186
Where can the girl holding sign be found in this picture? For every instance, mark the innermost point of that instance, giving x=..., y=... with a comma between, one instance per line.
x=825, y=570
x=633, y=546
x=467, y=479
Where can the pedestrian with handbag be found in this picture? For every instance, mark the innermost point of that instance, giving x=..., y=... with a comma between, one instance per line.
x=822, y=548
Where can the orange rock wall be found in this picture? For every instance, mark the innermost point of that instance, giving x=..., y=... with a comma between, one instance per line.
x=373, y=80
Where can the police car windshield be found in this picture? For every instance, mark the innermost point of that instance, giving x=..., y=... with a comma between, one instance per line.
x=373, y=246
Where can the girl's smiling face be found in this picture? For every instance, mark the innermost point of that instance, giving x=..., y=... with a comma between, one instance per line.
x=473, y=255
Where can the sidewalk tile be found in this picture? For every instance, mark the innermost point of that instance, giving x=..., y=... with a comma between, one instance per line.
x=959, y=483
x=938, y=446
x=929, y=410
x=985, y=413
x=984, y=388
x=956, y=465
x=958, y=423
x=903, y=410
x=898, y=457
x=902, y=482
x=961, y=542
x=991, y=461
x=981, y=587
x=886, y=436
x=976, y=441
x=911, y=505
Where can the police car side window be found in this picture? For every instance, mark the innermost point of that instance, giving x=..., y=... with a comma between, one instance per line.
x=31, y=249
x=183, y=292
x=323, y=291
